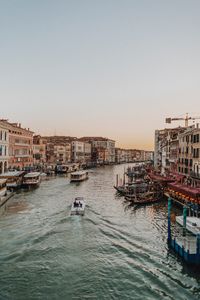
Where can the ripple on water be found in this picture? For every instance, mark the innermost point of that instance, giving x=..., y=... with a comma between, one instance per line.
x=116, y=251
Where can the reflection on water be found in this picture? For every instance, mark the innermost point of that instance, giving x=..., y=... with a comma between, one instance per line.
x=116, y=251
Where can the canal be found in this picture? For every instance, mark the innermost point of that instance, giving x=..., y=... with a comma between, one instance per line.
x=113, y=252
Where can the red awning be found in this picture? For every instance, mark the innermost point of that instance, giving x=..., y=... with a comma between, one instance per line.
x=187, y=190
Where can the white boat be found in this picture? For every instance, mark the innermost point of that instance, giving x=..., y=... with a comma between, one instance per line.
x=192, y=224
x=43, y=176
x=3, y=188
x=79, y=176
x=78, y=206
x=14, y=179
x=32, y=179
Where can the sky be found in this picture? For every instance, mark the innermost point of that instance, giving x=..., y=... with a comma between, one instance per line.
x=112, y=68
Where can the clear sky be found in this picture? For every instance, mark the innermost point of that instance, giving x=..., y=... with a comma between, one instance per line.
x=113, y=68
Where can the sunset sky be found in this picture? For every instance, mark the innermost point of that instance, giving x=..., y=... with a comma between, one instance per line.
x=113, y=68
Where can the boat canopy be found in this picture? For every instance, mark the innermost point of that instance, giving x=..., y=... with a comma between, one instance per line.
x=188, y=190
x=2, y=181
x=31, y=175
x=12, y=174
x=79, y=173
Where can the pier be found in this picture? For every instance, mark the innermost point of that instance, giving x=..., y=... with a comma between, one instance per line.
x=188, y=248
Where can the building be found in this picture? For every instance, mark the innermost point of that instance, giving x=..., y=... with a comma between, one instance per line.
x=189, y=155
x=196, y=154
x=62, y=153
x=58, y=149
x=185, y=154
x=39, y=150
x=103, y=149
x=20, y=146
x=4, y=146
x=166, y=149
x=148, y=155
x=87, y=153
x=78, y=152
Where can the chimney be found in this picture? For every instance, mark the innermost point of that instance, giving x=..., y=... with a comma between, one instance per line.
x=19, y=125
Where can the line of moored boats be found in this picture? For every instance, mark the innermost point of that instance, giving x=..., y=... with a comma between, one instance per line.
x=19, y=179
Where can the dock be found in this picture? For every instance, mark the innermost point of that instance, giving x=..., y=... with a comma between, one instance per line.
x=187, y=247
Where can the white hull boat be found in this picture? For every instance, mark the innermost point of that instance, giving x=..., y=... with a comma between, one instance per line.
x=32, y=179
x=192, y=224
x=78, y=206
x=79, y=176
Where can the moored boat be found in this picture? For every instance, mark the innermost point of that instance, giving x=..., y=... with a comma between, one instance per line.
x=32, y=179
x=78, y=206
x=14, y=179
x=79, y=176
x=192, y=224
x=145, y=198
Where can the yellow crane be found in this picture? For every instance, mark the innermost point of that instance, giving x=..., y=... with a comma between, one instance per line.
x=186, y=119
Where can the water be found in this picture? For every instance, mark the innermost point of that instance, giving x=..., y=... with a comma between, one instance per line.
x=113, y=252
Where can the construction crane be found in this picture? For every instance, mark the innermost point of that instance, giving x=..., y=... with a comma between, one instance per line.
x=186, y=119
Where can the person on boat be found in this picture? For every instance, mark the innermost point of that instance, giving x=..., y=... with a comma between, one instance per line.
x=80, y=204
x=75, y=203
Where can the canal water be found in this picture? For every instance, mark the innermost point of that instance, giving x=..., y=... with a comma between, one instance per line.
x=113, y=252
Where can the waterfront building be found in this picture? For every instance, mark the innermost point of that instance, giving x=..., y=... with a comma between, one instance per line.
x=87, y=153
x=166, y=149
x=100, y=155
x=4, y=144
x=39, y=150
x=103, y=147
x=189, y=155
x=62, y=153
x=119, y=155
x=148, y=155
x=20, y=146
x=185, y=152
x=58, y=149
x=78, y=152
x=195, y=174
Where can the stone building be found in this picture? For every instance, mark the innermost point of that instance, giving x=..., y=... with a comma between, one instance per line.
x=4, y=146
x=103, y=147
x=20, y=146
x=39, y=150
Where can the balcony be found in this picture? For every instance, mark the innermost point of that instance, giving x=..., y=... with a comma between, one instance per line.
x=22, y=144
x=22, y=155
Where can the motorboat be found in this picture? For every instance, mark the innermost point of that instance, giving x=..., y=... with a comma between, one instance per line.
x=192, y=224
x=78, y=206
x=14, y=179
x=32, y=179
x=79, y=176
x=3, y=187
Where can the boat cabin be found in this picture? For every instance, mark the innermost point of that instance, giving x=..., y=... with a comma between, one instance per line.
x=32, y=179
x=79, y=176
x=14, y=179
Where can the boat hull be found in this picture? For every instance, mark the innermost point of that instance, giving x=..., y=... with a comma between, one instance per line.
x=79, y=209
x=189, y=221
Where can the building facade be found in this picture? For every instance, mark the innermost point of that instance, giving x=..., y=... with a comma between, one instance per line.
x=103, y=149
x=39, y=150
x=4, y=147
x=20, y=146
